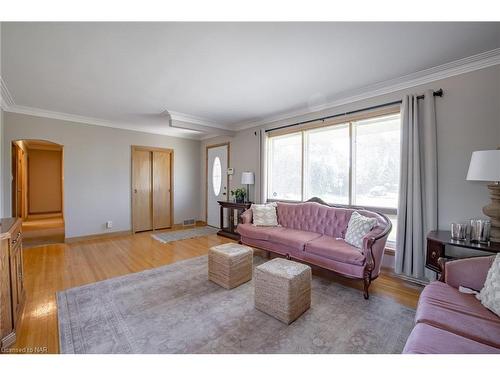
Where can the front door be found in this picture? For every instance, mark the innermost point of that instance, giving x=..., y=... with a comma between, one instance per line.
x=217, y=160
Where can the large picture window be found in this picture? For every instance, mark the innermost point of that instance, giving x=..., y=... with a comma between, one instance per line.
x=355, y=162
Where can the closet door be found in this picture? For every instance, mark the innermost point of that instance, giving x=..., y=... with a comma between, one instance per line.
x=142, y=197
x=161, y=189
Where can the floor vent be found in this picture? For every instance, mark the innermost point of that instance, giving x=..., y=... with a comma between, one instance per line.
x=188, y=222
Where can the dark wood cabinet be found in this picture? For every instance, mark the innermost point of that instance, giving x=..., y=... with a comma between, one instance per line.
x=436, y=248
x=12, y=292
x=229, y=222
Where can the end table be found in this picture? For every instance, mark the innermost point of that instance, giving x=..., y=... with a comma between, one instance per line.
x=234, y=211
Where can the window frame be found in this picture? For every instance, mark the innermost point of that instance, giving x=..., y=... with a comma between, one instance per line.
x=326, y=124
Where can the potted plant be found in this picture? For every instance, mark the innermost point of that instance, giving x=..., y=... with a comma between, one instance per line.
x=239, y=195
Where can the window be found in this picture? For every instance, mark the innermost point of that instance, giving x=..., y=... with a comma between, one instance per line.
x=216, y=176
x=326, y=170
x=376, y=162
x=355, y=162
x=286, y=167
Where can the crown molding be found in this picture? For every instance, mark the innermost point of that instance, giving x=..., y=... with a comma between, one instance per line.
x=454, y=68
x=31, y=111
x=207, y=128
x=184, y=117
x=6, y=97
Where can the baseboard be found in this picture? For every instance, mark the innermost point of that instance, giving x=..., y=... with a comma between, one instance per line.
x=97, y=236
x=198, y=223
x=390, y=272
x=390, y=252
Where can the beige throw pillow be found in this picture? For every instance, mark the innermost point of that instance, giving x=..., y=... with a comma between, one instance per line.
x=490, y=294
x=264, y=215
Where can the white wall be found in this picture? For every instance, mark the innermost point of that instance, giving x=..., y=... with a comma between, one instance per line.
x=243, y=157
x=97, y=171
x=468, y=119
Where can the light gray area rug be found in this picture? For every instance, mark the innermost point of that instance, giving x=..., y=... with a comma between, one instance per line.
x=184, y=234
x=175, y=309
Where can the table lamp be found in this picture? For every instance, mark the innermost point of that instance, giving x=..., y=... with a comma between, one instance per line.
x=485, y=166
x=247, y=178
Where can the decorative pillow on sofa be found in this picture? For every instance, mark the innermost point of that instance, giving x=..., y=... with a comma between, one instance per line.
x=264, y=215
x=490, y=294
x=358, y=227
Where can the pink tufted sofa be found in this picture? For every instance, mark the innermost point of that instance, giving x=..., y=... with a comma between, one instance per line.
x=314, y=233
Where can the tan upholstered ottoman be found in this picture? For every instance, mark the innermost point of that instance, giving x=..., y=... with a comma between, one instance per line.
x=283, y=289
x=230, y=265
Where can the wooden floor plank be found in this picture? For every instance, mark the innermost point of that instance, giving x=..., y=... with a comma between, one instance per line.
x=55, y=267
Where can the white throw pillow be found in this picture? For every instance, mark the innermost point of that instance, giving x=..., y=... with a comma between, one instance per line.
x=264, y=215
x=490, y=294
x=358, y=227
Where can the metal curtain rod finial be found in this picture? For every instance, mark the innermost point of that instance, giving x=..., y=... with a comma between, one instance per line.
x=439, y=93
x=435, y=93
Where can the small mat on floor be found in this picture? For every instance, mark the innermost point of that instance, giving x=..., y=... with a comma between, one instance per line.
x=175, y=309
x=183, y=234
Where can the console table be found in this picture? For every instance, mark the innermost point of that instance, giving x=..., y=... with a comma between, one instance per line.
x=232, y=207
x=436, y=248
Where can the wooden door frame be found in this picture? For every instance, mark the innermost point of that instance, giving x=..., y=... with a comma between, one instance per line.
x=228, y=144
x=14, y=171
x=170, y=151
x=15, y=178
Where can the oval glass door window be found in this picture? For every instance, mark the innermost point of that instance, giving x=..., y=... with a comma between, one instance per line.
x=216, y=176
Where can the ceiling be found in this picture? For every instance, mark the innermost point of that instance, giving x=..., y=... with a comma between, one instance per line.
x=217, y=75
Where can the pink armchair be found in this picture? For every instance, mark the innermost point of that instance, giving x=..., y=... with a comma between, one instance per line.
x=451, y=322
x=470, y=272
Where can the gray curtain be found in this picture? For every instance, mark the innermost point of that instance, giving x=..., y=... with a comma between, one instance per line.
x=263, y=167
x=418, y=208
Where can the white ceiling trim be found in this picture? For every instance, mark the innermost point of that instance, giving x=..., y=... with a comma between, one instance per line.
x=454, y=68
x=86, y=120
x=203, y=127
x=184, y=117
x=208, y=128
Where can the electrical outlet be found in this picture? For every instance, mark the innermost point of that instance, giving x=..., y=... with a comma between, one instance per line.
x=109, y=224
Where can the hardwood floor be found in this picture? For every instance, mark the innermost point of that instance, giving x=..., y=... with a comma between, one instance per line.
x=43, y=230
x=51, y=268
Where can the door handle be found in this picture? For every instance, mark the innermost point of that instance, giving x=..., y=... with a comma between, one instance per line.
x=135, y=191
x=223, y=193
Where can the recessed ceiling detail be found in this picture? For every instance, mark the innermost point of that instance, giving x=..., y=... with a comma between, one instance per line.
x=198, y=80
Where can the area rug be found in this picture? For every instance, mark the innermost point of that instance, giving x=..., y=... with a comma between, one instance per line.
x=175, y=309
x=184, y=234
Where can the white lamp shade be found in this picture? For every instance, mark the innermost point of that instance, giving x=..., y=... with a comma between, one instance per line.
x=484, y=166
x=247, y=178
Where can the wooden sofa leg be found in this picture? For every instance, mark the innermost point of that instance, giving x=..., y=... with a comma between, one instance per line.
x=367, y=280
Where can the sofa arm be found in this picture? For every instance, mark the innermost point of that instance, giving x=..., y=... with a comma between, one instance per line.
x=246, y=216
x=469, y=272
x=373, y=248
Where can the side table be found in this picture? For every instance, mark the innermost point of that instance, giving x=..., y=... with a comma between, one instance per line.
x=233, y=218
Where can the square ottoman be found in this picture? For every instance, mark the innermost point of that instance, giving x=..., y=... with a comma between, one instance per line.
x=283, y=289
x=230, y=265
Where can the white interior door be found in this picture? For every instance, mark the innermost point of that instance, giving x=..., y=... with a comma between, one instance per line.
x=217, y=183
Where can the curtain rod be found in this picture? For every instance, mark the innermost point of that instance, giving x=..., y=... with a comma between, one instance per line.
x=435, y=93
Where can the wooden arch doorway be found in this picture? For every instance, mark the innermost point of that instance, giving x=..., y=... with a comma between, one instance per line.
x=38, y=190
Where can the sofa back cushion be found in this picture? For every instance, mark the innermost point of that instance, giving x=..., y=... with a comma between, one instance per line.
x=315, y=217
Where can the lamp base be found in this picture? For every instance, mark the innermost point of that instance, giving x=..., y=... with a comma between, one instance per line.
x=493, y=211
